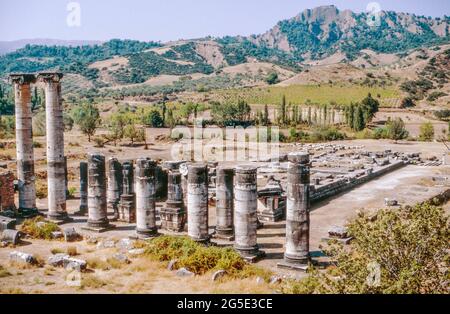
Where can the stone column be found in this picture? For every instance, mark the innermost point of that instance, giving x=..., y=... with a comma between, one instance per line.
x=66, y=176
x=115, y=178
x=297, y=212
x=127, y=207
x=245, y=213
x=55, y=146
x=173, y=216
x=24, y=141
x=97, y=208
x=198, y=203
x=224, y=203
x=145, y=198
x=83, y=188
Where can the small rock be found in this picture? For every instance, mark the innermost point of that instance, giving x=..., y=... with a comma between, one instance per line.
x=183, y=272
x=125, y=244
x=338, y=232
x=41, y=224
x=91, y=240
x=390, y=202
x=259, y=280
x=171, y=265
x=106, y=244
x=7, y=223
x=122, y=258
x=275, y=279
x=3, y=244
x=74, y=264
x=218, y=274
x=136, y=252
x=57, y=259
x=11, y=236
x=22, y=257
x=70, y=234
x=57, y=234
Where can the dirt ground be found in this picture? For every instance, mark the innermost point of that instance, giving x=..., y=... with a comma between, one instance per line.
x=408, y=185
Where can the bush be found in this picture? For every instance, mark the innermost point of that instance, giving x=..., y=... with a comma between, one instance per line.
x=324, y=134
x=198, y=258
x=426, y=132
x=38, y=228
x=409, y=247
x=396, y=130
x=153, y=119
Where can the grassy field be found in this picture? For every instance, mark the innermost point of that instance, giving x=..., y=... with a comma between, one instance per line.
x=301, y=94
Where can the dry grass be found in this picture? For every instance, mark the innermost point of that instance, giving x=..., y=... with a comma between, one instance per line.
x=92, y=281
x=4, y=272
x=71, y=251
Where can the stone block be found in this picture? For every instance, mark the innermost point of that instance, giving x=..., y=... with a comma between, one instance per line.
x=21, y=257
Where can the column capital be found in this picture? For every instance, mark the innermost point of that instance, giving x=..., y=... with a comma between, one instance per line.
x=22, y=78
x=50, y=76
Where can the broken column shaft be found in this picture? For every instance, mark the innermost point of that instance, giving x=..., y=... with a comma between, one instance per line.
x=97, y=210
x=24, y=141
x=173, y=216
x=55, y=146
x=127, y=207
x=198, y=203
x=145, y=198
x=115, y=178
x=224, y=202
x=245, y=213
x=297, y=211
x=83, y=187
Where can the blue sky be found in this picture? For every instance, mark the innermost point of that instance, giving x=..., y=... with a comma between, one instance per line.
x=165, y=20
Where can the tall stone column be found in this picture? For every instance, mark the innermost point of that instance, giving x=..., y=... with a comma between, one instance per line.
x=127, y=207
x=224, y=203
x=24, y=141
x=97, y=208
x=297, y=212
x=115, y=178
x=55, y=146
x=173, y=215
x=145, y=198
x=198, y=203
x=83, y=188
x=245, y=213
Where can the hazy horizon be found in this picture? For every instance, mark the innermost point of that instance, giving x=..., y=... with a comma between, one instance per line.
x=171, y=20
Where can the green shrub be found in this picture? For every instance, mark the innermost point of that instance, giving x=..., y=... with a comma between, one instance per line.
x=198, y=258
x=325, y=134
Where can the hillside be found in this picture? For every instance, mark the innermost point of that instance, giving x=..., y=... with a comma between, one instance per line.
x=320, y=45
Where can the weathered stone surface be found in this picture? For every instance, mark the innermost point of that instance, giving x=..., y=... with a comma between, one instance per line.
x=21, y=257
x=173, y=216
x=70, y=234
x=91, y=239
x=136, y=252
x=245, y=212
x=218, y=275
x=224, y=202
x=10, y=236
x=7, y=223
x=115, y=181
x=198, y=203
x=183, y=272
x=259, y=280
x=390, y=202
x=338, y=232
x=122, y=258
x=145, y=198
x=172, y=264
x=275, y=280
x=74, y=264
x=7, y=192
x=24, y=140
x=106, y=244
x=298, y=203
x=55, y=146
x=57, y=260
x=83, y=188
x=57, y=234
x=125, y=244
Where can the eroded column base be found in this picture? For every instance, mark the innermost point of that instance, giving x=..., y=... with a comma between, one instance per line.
x=300, y=263
x=173, y=219
x=27, y=212
x=224, y=234
x=250, y=254
x=98, y=226
x=59, y=218
x=146, y=233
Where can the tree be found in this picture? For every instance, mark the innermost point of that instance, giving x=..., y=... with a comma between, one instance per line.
x=272, y=78
x=407, y=102
x=266, y=115
x=116, y=125
x=87, y=117
x=153, y=119
x=359, y=122
x=170, y=119
x=134, y=133
x=426, y=132
x=370, y=108
x=396, y=129
x=283, y=111
x=407, y=248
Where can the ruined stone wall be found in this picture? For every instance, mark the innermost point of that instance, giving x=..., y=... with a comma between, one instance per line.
x=7, y=191
x=322, y=192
